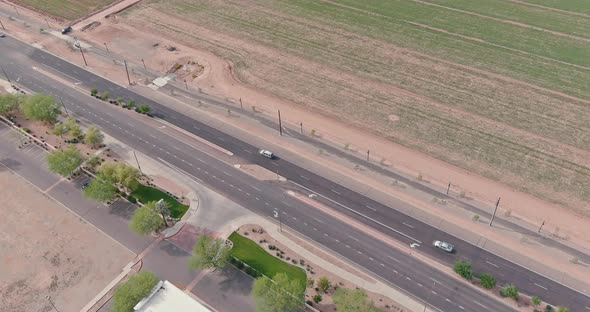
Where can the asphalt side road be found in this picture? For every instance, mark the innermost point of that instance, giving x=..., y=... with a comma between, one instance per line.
x=18, y=64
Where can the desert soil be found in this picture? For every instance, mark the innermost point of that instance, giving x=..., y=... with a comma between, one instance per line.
x=48, y=251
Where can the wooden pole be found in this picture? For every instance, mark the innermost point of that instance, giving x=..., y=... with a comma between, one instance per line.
x=495, y=209
x=127, y=71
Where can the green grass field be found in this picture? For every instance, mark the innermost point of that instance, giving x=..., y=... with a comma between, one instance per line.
x=67, y=9
x=503, y=100
x=145, y=194
x=253, y=255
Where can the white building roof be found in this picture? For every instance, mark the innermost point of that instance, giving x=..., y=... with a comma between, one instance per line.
x=165, y=297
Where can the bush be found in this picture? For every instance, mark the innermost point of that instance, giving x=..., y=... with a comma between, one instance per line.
x=120, y=100
x=509, y=291
x=104, y=96
x=309, y=302
x=536, y=301
x=272, y=247
x=548, y=308
x=487, y=280
x=93, y=91
x=324, y=284
x=250, y=271
x=239, y=264
x=310, y=282
x=143, y=109
x=27, y=130
x=317, y=298
x=563, y=309
x=131, y=199
x=463, y=268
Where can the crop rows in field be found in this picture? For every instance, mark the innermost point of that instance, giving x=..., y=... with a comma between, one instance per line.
x=529, y=15
x=67, y=9
x=578, y=6
x=445, y=89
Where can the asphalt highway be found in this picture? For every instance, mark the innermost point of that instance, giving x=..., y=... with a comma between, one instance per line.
x=395, y=267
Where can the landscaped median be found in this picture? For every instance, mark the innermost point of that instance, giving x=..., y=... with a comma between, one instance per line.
x=145, y=194
x=262, y=262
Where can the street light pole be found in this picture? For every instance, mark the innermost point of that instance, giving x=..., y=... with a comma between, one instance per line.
x=53, y=305
x=5, y=74
x=428, y=297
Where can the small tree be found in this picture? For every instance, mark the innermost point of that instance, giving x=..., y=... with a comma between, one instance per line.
x=59, y=129
x=163, y=208
x=128, y=294
x=72, y=127
x=9, y=103
x=509, y=291
x=487, y=280
x=548, y=308
x=121, y=173
x=64, y=162
x=209, y=253
x=93, y=91
x=93, y=136
x=278, y=294
x=463, y=268
x=104, y=96
x=40, y=107
x=324, y=284
x=100, y=189
x=536, y=301
x=563, y=309
x=353, y=300
x=317, y=298
x=146, y=219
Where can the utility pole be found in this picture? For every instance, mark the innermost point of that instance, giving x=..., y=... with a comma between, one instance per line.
x=186, y=84
x=83, y=57
x=5, y=74
x=368, y=153
x=301, y=126
x=137, y=161
x=2, y=25
x=448, y=188
x=144, y=67
x=241, y=104
x=127, y=71
x=539, y=231
x=106, y=47
x=495, y=209
x=53, y=305
x=280, y=124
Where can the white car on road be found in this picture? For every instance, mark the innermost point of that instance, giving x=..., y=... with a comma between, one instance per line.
x=267, y=154
x=444, y=246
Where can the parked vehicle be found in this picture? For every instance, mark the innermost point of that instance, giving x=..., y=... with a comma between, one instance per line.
x=66, y=30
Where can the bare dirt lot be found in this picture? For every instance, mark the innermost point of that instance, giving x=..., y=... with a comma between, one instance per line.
x=45, y=250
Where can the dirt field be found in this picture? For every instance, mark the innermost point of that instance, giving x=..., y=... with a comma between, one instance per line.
x=65, y=9
x=46, y=250
x=444, y=81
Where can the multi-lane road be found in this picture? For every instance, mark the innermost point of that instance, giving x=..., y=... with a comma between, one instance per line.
x=369, y=253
